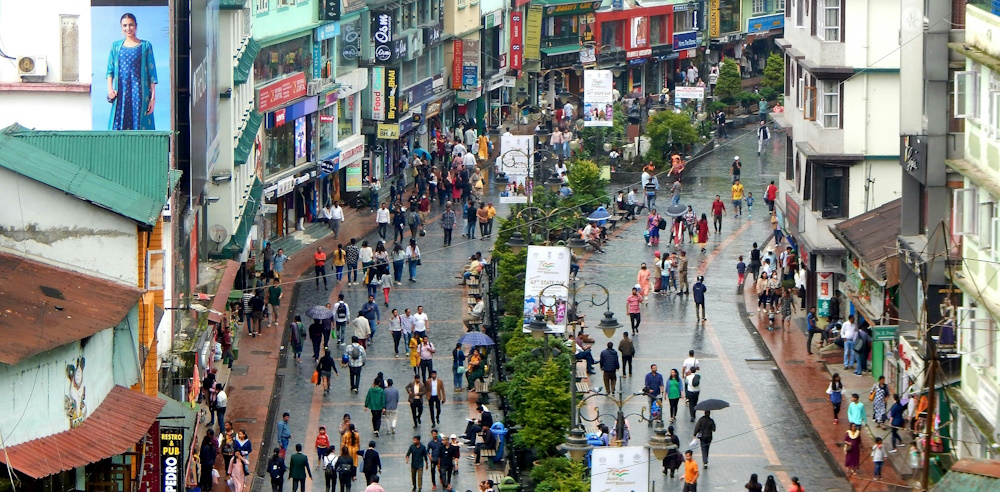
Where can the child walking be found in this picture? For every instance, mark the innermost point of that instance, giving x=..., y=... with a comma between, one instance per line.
x=750, y=204
x=878, y=457
x=741, y=271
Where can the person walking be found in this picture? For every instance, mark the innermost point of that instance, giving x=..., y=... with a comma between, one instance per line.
x=372, y=313
x=653, y=384
x=298, y=470
x=681, y=263
x=415, y=396
x=449, y=461
x=836, y=392
x=878, y=457
x=371, y=463
x=457, y=361
x=356, y=357
x=416, y=457
x=319, y=267
x=353, y=254
x=627, y=349
x=448, y=219
x=382, y=220
x=322, y=445
x=336, y=219
x=398, y=258
x=787, y=307
x=856, y=412
x=771, y=486
x=674, y=391
x=610, y=365
x=852, y=448
x=278, y=262
x=375, y=403
x=412, y=259
x=763, y=135
x=345, y=470
x=737, y=191
x=642, y=279
x=396, y=329
x=718, y=210
x=435, y=450
x=879, y=395
x=326, y=366
x=274, y=294
x=633, y=304
x=351, y=442
x=703, y=430
x=690, y=470
x=849, y=333
x=391, y=405
x=693, y=385
x=699, y=297
x=653, y=227
x=284, y=435
x=434, y=391
x=735, y=168
x=753, y=485
x=276, y=470
x=775, y=228
x=469, y=212
x=208, y=454
x=896, y=421
x=813, y=329
x=673, y=460
x=426, y=350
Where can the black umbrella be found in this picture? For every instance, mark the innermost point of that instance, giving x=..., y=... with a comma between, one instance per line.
x=711, y=405
x=676, y=210
x=319, y=312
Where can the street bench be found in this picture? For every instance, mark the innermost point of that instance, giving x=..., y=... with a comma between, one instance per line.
x=497, y=476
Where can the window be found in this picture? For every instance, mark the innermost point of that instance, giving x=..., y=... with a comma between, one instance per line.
x=779, y=5
x=424, y=11
x=348, y=46
x=830, y=20
x=809, y=103
x=408, y=12
x=966, y=94
x=70, y=56
x=409, y=74
x=993, y=116
x=790, y=157
x=830, y=197
x=800, y=7
x=263, y=6
x=759, y=7
x=423, y=67
x=986, y=218
x=964, y=211
x=830, y=111
x=611, y=33
x=978, y=336
x=807, y=181
x=282, y=59
x=682, y=21
x=798, y=92
x=789, y=80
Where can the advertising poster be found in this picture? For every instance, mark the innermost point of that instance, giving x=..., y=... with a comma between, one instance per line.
x=517, y=163
x=130, y=60
x=353, y=177
x=623, y=469
x=714, y=21
x=547, y=265
x=640, y=33
x=598, y=87
x=533, y=33
x=378, y=93
x=300, y=139
x=824, y=292
x=149, y=477
x=172, y=458
x=204, y=92
x=458, y=55
x=470, y=64
x=516, y=40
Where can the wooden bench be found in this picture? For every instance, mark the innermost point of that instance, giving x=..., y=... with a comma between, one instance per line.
x=483, y=386
x=497, y=475
x=591, y=429
x=581, y=369
x=583, y=387
x=613, y=223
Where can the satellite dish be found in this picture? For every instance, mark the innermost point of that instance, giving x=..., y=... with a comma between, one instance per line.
x=219, y=234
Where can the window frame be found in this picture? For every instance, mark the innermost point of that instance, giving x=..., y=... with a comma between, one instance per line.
x=972, y=340
x=825, y=111
x=809, y=104
x=823, y=173
x=758, y=6
x=800, y=8
x=965, y=93
x=965, y=212
x=824, y=29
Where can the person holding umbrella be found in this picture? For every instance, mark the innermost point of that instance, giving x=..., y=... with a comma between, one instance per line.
x=703, y=431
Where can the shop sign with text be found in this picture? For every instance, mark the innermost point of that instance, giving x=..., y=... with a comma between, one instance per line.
x=456, y=64
x=533, y=33
x=391, y=95
x=714, y=19
x=378, y=93
x=383, y=25
x=572, y=8
x=685, y=40
x=172, y=463
x=765, y=23
x=388, y=131
x=516, y=40
x=281, y=92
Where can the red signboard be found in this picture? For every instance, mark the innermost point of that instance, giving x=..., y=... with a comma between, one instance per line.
x=516, y=40
x=326, y=118
x=283, y=91
x=279, y=117
x=149, y=476
x=456, y=64
x=792, y=214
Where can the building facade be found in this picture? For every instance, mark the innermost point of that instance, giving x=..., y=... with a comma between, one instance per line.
x=841, y=121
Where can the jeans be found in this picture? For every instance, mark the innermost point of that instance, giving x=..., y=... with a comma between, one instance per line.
x=447, y=237
x=382, y=228
x=373, y=326
x=878, y=469
x=692, y=397
x=355, y=377
x=396, y=337
x=675, y=200
x=376, y=420
x=489, y=227
x=626, y=364
x=634, y=319
x=434, y=408
x=426, y=366
x=458, y=378
x=417, y=477
x=397, y=270
x=340, y=273
x=482, y=229
x=352, y=272
x=705, y=444
x=586, y=355
x=717, y=222
x=650, y=200
x=413, y=269
x=320, y=273
x=848, y=353
x=340, y=332
x=470, y=229
x=417, y=410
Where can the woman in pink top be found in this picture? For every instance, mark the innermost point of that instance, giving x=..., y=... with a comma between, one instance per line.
x=643, y=279
x=632, y=307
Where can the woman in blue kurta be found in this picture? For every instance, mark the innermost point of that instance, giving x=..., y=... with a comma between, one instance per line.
x=131, y=80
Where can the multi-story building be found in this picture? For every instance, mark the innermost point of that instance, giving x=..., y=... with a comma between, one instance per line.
x=975, y=235
x=841, y=122
x=643, y=45
x=763, y=21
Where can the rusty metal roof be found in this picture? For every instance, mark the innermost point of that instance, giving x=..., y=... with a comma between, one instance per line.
x=872, y=236
x=113, y=428
x=43, y=307
x=971, y=475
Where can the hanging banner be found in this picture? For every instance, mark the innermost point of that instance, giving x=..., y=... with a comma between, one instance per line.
x=533, y=33
x=391, y=96
x=824, y=292
x=516, y=163
x=548, y=265
x=456, y=64
x=171, y=458
x=383, y=24
x=149, y=478
x=516, y=40
x=714, y=20
x=378, y=93
x=615, y=469
x=598, y=90
x=470, y=64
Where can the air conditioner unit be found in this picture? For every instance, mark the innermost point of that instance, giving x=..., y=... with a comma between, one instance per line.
x=313, y=88
x=31, y=66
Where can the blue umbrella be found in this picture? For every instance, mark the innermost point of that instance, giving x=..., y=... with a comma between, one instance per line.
x=600, y=214
x=476, y=339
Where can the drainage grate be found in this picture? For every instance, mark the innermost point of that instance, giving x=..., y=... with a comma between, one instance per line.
x=260, y=352
x=761, y=364
x=795, y=362
x=253, y=388
x=272, y=411
x=239, y=370
x=249, y=420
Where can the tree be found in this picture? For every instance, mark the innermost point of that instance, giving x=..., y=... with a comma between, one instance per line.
x=593, y=138
x=560, y=474
x=774, y=73
x=729, y=84
x=669, y=130
x=545, y=408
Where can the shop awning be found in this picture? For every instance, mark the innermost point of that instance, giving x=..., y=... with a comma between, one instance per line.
x=232, y=4
x=247, y=138
x=871, y=236
x=971, y=475
x=222, y=292
x=45, y=307
x=113, y=428
x=558, y=50
x=241, y=72
x=239, y=238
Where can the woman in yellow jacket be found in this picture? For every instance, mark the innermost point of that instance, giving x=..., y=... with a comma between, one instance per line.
x=414, y=356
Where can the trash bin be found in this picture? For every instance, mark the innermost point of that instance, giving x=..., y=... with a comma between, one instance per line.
x=508, y=484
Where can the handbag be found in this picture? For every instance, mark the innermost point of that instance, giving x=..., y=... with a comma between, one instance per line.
x=871, y=396
x=460, y=370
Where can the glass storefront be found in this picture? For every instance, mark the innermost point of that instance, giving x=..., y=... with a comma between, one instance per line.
x=282, y=59
x=349, y=119
x=286, y=146
x=326, y=122
x=348, y=46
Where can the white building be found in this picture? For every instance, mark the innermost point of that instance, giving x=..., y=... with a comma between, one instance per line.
x=841, y=120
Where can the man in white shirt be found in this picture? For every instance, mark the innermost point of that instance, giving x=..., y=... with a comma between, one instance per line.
x=382, y=219
x=592, y=235
x=692, y=385
x=469, y=160
x=568, y=112
x=341, y=316
x=507, y=133
x=324, y=214
x=221, y=402
x=690, y=363
x=631, y=201
x=692, y=75
x=475, y=314
x=470, y=135
x=336, y=218
x=406, y=324
x=420, y=322
x=458, y=150
x=561, y=169
x=849, y=332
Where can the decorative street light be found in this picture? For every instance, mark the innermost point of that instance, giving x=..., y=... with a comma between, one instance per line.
x=617, y=70
x=516, y=242
x=576, y=445
x=620, y=402
x=609, y=325
x=564, y=95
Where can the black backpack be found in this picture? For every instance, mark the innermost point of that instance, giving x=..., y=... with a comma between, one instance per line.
x=343, y=466
x=696, y=380
x=341, y=311
x=355, y=352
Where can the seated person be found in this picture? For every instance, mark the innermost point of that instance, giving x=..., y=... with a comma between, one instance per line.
x=475, y=313
x=565, y=191
x=582, y=353
x=475, y=266
x=489, y=442
x=476, y=369
x=592, y=235
x=474, y=427
x=574, y=265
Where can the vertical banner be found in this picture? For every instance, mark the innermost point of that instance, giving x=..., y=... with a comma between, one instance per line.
x=378, y=93
x=713, y=18
x=598, y=97
x=383, y=24
x=547, y=265
x=516, y=40
x=171, y=459
x=824, y=292
x=391, y=96
x=533, y=33
x=456, y=64
x=623, y=469
x=150, y=475
x=516, y=162
x=470, y=64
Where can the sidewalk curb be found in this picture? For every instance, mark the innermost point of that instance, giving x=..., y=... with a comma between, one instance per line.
x=831, y=460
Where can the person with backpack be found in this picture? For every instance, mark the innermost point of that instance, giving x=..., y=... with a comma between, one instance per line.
x=413, y=221
x=344, y=468
x=693, y=385
x=341, y=316
x=329, y=464
x=325, y=367
x=276, y=469
x=371, y=312
x=356, y=357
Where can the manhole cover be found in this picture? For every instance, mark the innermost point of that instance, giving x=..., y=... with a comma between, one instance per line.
x=239, y=370
x=253, y=388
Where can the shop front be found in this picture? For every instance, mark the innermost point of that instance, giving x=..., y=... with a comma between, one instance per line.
x=349, y=173
x=759, y=44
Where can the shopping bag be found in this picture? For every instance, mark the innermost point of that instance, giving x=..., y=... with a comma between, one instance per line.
x=315, y=377
x=694, y=443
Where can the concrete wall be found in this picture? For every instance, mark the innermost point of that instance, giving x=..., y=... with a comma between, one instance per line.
x=280, y=21
x=886, y=185
x=871, y=114
x=872, y=33
x=458, y=21
x=63, y=230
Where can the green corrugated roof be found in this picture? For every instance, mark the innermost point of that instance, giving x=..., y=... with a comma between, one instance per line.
x=558, y=50
x=241, y=72
x=955, y=481
x=247, y=138
x=239, y=238
x=123, y=171
x=232, y=4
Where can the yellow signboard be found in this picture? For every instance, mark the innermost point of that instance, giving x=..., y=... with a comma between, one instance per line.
x=713, y=18
x=533, y=33
x=388, y=131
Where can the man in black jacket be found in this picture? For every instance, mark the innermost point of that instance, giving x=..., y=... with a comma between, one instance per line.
x=703, y=430
x=609, y=364
x=489, y=442
x=371, y=462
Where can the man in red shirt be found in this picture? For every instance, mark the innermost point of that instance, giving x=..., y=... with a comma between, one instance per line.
x=718, y=208
x=320, y=267
x=424, y=207
x=770, y=195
